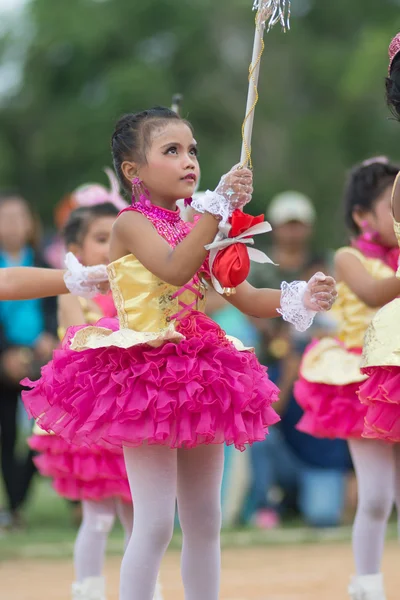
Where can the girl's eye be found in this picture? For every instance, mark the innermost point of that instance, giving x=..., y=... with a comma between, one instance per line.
x=171, y=150
x=194, y=152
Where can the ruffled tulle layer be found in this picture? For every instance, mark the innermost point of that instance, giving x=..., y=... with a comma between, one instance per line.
x=81, y=473
x=198, y=391
x=381, y=395
x=330, y=411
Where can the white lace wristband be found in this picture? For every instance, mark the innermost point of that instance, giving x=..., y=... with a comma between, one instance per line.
x=292, y=308
x=83, y=281
x=213, y=203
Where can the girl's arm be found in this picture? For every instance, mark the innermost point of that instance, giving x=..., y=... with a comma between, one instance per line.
x=373, y=292
x=134, y=234
x=25, y=283
x=266, y=303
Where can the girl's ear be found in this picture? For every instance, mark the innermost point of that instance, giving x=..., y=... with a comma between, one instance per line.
x=359, y=217
x=130, y=170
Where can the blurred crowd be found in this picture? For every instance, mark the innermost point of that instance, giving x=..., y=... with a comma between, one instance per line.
x=289, y=474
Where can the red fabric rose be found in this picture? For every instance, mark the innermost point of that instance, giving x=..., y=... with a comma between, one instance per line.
x=232, y=265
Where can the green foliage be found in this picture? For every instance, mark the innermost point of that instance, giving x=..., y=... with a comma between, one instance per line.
x=321, y=91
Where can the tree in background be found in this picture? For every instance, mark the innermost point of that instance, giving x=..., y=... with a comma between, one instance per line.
x=84, y=62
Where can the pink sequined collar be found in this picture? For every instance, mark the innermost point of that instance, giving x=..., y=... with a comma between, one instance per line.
x=150, y=210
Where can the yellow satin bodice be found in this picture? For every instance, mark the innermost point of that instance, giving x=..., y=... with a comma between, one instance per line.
x=144, y=302
x=352, y=314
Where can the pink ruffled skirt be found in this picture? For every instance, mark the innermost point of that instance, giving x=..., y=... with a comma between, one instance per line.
x=330, y=411
x=201, y=390
x=81, y=473
x=380, y=394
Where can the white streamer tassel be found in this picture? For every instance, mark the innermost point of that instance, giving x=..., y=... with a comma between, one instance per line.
x=272, y=12
x=222, y=241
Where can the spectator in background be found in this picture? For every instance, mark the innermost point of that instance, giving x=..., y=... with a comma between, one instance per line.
x=27, y=338
x=315, y=470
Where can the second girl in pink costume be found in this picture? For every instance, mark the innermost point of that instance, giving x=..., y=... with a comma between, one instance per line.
x=330, y=375
x=164, y=381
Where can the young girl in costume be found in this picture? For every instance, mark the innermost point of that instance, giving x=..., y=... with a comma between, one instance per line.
x=163, y=381
x=330, y=375
x=380, y=392
x=94, y=475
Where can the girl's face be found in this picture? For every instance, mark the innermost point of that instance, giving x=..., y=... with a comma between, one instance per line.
x=95, y=246
x=171, y=169
x=380, y=218
x=16, y=224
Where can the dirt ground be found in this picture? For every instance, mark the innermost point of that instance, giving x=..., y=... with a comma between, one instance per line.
x=311, y=572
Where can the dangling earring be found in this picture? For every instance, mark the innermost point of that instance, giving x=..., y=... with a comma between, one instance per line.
x=369, y=234
x=139, y=192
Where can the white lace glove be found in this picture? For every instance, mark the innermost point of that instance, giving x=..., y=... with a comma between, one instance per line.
x=300, y=301
x=84, y=281
x=233, y=191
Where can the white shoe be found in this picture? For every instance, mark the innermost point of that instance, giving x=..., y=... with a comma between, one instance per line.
x=158, y=593
x=92, y=588
x=367, y=587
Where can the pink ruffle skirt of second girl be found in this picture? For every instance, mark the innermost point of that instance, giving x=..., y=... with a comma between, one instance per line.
x=81, y=473
x=201, y=390
x=330, y=411
x=380, y=394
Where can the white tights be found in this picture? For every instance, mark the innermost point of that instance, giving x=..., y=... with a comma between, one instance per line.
x=90, y=545
x=159, y=476
x=377, y=467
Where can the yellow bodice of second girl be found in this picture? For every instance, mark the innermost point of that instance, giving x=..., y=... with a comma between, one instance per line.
x=351, y=313
x=91, y=313
x=147, y=308
x=330, y=361
x=382, y=340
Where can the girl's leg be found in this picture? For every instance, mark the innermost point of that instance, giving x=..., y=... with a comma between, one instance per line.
x=125, y=515
x=199, y=504
x=90, y=546
x=374, y=466
x=152, y=473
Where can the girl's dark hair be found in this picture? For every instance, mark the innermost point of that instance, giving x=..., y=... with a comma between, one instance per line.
x=81, y=218
x=393, y=87
x=365, y=183
x=132, y=136
x=35, y=237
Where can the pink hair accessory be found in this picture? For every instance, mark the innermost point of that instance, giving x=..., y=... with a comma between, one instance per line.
x=394, y=49
x=188, y=201
x=94, y=193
